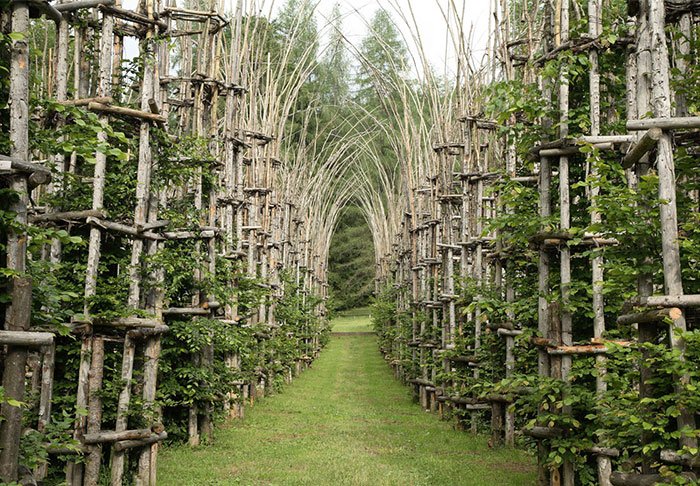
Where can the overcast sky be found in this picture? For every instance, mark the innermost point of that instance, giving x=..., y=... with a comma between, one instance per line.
x=431, y=24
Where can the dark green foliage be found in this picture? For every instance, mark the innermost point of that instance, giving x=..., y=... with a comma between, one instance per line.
x=351, y=261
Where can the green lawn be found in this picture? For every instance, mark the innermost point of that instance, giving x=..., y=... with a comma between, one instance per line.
x=346, y=421
x=356, y=320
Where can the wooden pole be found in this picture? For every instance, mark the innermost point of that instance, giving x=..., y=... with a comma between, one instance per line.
x=661, y=102
x=17, y=315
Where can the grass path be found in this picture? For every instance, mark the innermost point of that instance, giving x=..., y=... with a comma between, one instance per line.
x=346, y=421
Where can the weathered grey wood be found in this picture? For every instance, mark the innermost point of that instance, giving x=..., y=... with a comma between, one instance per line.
x=185, y=311
x=544, y=264
x=565, y=318
x=149, y=333
x=657, y=316
x=184, y=235
x=689, y=300
x=17, y=315
x=688, y=460
x=74, y=473
x=86, y=101
x=45, y=397
x=104, y=90
x=595, y=28
x=62, y=43
x=123, y=445
x=152, y=225
x=508, y=332
x=93, y=462
x=665, y=122
x=133, y=17
x=79, y=4
x=47, y=379
x=128, y=112
x=642, y=147
x=146, y=469
x=133, y=322
x=16, y=319
x=661, y=102
x=105, y=436
x=21, y=165
x=633, y=479
x=117, y=458
x=564, y=151
x=544, y=432
x=603, y=451
x=26, y=338
x=123, y=228
x=143, y=173
x=66, y=216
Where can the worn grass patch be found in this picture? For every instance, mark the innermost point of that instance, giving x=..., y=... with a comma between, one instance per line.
x=346, y=421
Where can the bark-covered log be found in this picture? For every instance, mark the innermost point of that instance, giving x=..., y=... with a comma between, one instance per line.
x=544, y=432
x=128, y=112
x=104, y=436
x=79, y=4
x=123, y=445
x=634, y=479
x=678, y=123
x=67, y=216
x=688, y=300
x=656, y=316
x=641, y=148
x=672, y=457
x=26, y=338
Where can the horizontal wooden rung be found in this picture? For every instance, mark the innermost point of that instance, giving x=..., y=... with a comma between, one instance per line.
x=652, y=316
x=508, y=332
x=678, y=123
x=603, y=451
x=544, y=432
x=145, y=333
x=128, y=112
x=421, y=382
x=130, y=16
x=130, y=444
x=580, y=349
x=690, y=300
x=636, y=479
x=114, y=436
x=26, y=338
x=186, y=311
x=688, y=460
x=130, y=322
x=641, y=148
x=14, y=164
x=465, y=401
x=81, y=4
x=85, y=101
x=67, y=216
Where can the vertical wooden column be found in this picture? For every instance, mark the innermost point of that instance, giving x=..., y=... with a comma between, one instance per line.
x=75, y=470
x=566, y=336
x=17, y=315
x=661, y=103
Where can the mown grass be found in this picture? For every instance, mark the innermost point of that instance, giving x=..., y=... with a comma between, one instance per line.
x=344, y=422
x=355, y=320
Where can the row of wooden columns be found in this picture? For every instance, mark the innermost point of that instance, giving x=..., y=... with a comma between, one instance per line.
x=242, y=218
x=443, y=238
